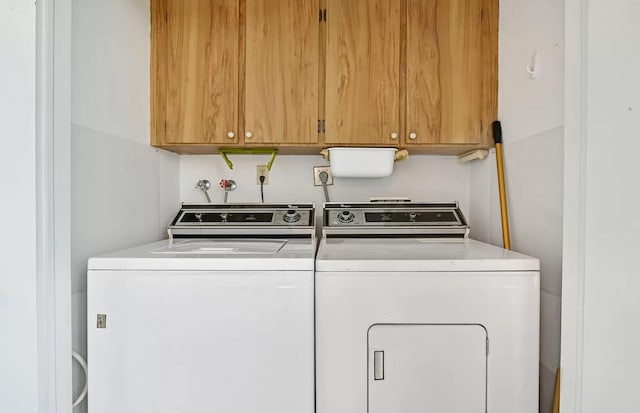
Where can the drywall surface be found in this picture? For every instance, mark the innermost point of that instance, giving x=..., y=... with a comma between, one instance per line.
x=531, y=112
x=610, y=137
x=121, y=195
x=529, y=106
x=420, y=178
x=123, y=190
x=110, y=67
x=18, y=317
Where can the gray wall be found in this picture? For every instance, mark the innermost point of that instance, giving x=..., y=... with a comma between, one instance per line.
x=531, y=111
x=421, y=178
x=123, y=191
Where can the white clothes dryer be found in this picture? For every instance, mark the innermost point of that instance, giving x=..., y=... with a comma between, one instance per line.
x=218, y=318
x=412, y=316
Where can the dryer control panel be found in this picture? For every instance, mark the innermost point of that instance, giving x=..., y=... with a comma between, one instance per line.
x=442, y=220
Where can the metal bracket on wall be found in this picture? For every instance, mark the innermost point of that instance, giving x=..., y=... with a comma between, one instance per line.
x=248, y=151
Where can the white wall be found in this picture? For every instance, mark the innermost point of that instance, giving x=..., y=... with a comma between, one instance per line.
x=123, y=191
x=531, y=112
x=18, y=318
x=602, y=306
x=421, y=178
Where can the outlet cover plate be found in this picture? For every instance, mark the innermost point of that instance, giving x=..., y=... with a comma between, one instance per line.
x=262, y=170
x=316, y=175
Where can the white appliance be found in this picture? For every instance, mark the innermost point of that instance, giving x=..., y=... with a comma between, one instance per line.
x=412, y=316
x=219, y=318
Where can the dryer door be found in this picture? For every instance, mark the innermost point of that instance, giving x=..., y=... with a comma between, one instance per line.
x=427, y=368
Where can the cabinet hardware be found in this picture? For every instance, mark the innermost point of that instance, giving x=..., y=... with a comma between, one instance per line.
x=248, y=135
x=413, y=136
x=231, y=135
x=394, y=135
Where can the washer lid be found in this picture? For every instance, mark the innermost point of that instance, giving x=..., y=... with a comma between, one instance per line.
x=222, y=247
x=212, y=255
x=416, y=254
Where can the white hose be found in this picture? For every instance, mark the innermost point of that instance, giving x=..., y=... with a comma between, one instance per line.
x=77, y=357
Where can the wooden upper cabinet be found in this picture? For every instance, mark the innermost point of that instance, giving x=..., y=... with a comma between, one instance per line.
x=281, y=86
x=363, y=72
x=195, y=71
x=451, y=71
x=312, y=73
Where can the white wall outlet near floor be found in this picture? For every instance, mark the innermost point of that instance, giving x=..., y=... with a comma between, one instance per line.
x=316, y=175
x=262, y=170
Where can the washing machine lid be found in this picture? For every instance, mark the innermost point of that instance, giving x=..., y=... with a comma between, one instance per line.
x=219, y=254
x=417, y=254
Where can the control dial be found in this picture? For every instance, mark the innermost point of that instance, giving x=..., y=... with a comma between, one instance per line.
x=346, y=216
x=291, y=216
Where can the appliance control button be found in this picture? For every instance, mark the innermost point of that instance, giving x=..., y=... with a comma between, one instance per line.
x=291, y=216
x=346, y=216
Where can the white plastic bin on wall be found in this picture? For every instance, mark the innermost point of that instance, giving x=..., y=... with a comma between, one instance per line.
x=361, y=162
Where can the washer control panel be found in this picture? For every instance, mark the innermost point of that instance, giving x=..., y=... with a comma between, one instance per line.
x=202, y=220
x=200, y=216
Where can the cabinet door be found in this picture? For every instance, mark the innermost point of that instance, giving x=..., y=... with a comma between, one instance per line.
x=427, y=368
x=362, y=72
x=195, y=71
x=281, y=90
x=451, y=71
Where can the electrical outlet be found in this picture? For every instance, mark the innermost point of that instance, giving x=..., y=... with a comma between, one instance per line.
x=262, y=170
x=316, y=175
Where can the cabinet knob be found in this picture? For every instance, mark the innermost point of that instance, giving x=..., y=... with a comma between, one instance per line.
x=231, y=135
x=394, y=135
x=413, y=136
x=248, y=135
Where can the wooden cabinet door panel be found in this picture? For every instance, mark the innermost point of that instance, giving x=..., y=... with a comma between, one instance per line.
x=362, y=72
x=282, y=54
x=448, y=85
x=199, y=68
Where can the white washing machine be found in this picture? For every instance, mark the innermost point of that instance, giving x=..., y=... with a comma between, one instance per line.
x=219, y=318
x=412, y=316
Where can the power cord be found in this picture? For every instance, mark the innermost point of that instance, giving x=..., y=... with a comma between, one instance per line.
x=324, y=177
x=262, y=179
x=83, y=363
